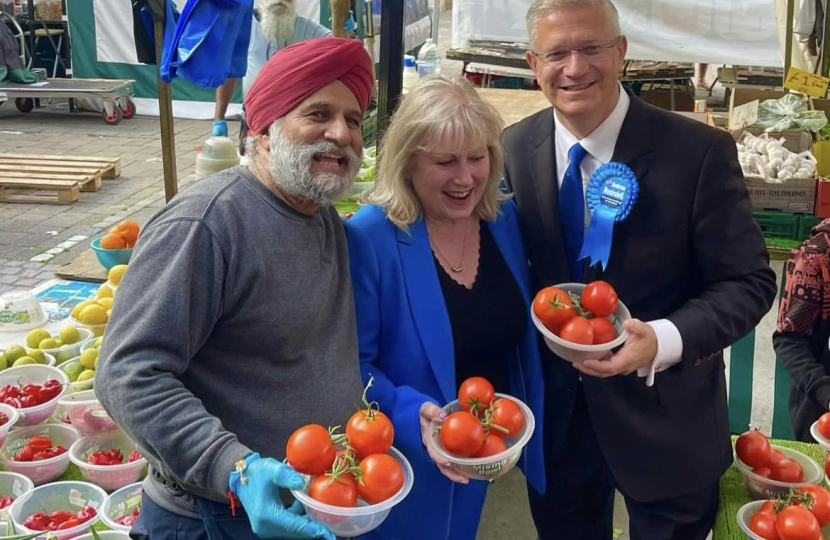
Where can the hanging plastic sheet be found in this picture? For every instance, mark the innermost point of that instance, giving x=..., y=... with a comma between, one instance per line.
x=145, y=12
x=210, y=43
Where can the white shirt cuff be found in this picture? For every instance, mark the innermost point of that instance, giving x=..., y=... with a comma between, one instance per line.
x=669, y=349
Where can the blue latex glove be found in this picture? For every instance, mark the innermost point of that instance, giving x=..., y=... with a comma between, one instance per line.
x=220, y=128
x=350, y=25
x=260, y=498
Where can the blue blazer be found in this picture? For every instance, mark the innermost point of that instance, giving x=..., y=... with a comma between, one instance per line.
x=405, y=342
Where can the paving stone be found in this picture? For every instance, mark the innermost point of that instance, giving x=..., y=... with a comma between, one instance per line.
x=27, y=282
x=8, y=279
x=10, y=270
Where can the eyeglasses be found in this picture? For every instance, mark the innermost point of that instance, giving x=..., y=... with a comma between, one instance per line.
x=590, y=53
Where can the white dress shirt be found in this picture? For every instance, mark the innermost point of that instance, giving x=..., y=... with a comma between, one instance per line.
x=600, y=146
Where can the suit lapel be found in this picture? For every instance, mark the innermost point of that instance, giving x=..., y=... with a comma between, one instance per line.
x=426, y=299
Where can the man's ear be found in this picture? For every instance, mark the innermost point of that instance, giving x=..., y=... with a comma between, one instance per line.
x=264, y=142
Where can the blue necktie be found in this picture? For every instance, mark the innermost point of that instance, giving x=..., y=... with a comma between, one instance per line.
x=572, y=210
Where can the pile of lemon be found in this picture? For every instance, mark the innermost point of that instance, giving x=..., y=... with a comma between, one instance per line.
x=37, y=340
x=84, y=368
x=95, y=313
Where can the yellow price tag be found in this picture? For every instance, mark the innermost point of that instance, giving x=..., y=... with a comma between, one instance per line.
x=806, y=82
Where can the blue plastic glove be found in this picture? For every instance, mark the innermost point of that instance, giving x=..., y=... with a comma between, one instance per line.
x=220, y=128
x=350, y=25
x=260, y=498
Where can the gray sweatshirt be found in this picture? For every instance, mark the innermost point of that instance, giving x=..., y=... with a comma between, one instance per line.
x=233, y=326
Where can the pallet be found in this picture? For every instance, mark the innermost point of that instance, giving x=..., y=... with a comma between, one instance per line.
x=110, y=167
x=63, y=175
x=66, y=191
x=87, y=181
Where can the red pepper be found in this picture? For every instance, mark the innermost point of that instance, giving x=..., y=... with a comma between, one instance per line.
x=86, y=513
x=68, y=524
x=30, y=389
x=134, y=456
x=26, y=453
x=5, y=502
x=59, y=516
x=37, y=522
x=39, y=442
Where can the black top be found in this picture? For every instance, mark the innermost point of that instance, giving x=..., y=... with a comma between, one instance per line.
x=488, y=321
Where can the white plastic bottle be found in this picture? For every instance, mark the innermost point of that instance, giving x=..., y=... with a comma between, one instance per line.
x=429, y=61
x=410, y=74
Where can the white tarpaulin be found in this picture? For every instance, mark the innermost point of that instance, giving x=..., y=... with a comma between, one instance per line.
x=741, y=32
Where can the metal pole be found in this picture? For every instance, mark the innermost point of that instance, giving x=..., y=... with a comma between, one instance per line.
x=168, y=137
x=788, y=45
x=391, y=61
x=436, y=16
x=825, y=46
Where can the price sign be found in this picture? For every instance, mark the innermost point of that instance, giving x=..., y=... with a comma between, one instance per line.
x=806, y=82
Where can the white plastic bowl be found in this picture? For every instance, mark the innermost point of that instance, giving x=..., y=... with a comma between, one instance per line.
x=77, y=386
x=105, y=535
x=748, y=510
x=488, y=468
x=62, y=354
x=13, y=485
x=109, y=477
x=96, y=329
x=35, y=374
x=574, y=352
x=119, y=504
x=822, y=441
x=760, y=488
x=44, y=470
x=86, y=414
x=12, y=414
x=349, y=522
x=71, y=496
x=20, y=311
x=50, y=360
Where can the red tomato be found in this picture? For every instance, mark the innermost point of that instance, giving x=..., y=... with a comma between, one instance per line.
x=604, y=331
x=768, y=508
x=600, y=298
x=476, y=392
x=753, y=449
x=818, y=502
x=827, y=465
x=775, y=456
x=5, y=502
x=824, y=425
x=553, y=307
x=370, y=432
x=578, y=330
x=492, y=445
x=339, y=491
x=382, y=477
x=766, y=472
x=462, y=434
x=763, y=525
x=788, y=470
x=507, y=414
x=309, y=450
x=796, y=523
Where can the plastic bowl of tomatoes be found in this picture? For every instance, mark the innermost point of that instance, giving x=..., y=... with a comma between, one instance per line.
x=12, y=487
x=109, y=460
x=8, y=417
x=580, y=322
x=820, y=430
x=86, y=414
x=803, y=514
x=770, y=471
x=122, y=507
x=39, y=452
x=68, y=509
x=34, y=390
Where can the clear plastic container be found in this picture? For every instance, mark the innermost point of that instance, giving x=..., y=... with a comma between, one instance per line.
x=20, y=311
x=109, y=477
x=13, y=485
x=69, y=496
x=120, y=504
x=410, y=74
x=350, y=522
x=492, y=467
x=105, y=535
x=86, y=414
x=12, y=414
x=820, y=439
x=96, y=329
x=62, y=354
x=574, y=352
x=77, y=386
x=35, y=374
x=46, y=470
x=429, y=60
x=760, y=488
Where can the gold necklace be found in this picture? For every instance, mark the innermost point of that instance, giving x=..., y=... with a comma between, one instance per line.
x=460, y=266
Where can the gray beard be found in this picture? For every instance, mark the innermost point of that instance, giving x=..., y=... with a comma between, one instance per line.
x=291, y=169
x=277, y=20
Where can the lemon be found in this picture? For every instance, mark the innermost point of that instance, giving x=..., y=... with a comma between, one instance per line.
x=103, y=292
x=73, y=370
x=49, y=343
x=116, y=274
x=86, y=375
x=89, y=357
x=37, y=335
x=98, y=342
x=76, y=311
x=93, y=314
x=70, y=334
x=24, y=360
x=37, y=354
x=105, y=303
x=13, y=353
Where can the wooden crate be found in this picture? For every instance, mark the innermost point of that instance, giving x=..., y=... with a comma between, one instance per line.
x=64, y=175
x=65, y=191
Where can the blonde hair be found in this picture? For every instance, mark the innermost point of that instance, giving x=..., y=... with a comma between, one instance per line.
x=437, y=108
x=543, y=8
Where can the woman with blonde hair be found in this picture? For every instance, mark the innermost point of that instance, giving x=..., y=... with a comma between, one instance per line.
x=442, y=292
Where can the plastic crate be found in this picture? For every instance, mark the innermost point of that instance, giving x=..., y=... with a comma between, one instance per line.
x=779, y=224
x=806, y=225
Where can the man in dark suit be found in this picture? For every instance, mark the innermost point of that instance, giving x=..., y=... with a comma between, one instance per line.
x=689, y=260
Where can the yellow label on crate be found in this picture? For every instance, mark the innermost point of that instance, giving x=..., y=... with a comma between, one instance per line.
x=806, y=82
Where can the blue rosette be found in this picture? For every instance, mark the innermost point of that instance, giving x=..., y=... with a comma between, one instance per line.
x=610, y=195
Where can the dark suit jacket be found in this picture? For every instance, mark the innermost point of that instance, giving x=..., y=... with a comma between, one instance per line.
x=690, y=252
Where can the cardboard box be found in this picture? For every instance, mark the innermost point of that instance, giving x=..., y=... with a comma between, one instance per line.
x=791, y=196
x=794, y=140
x=703, y=117
x=684, y=100
x=823, y=198
x=741, y=96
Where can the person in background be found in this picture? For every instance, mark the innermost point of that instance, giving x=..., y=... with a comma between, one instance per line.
x=275, y=26
x=442, y=291
x=803, y=330
x=216, y=351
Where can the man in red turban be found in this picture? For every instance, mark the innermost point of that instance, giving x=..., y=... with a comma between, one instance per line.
x=237, y=325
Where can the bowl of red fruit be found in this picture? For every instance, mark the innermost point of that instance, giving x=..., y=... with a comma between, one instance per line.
x=85, y=412
x=580, y=322
x=8, y=417
x=66, y=509
x=770, y=471
x=34, y=390
x=12, y=487
x=39, y=452
x=109, y=460
x=122, y=507
x=820, y=430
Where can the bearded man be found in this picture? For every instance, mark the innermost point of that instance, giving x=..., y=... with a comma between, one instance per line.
x=275, y=25
x=235, y=323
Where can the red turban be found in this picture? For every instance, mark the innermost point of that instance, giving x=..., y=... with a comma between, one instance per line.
x=296, y=72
